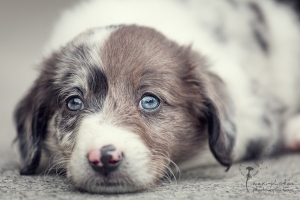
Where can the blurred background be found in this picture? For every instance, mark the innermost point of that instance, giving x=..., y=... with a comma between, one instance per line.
x=25, y=26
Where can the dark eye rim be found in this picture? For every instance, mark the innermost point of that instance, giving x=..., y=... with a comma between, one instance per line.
x=73, y=97
x=151, y=95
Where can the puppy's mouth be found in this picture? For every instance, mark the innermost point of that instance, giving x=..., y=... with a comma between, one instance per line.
x=112, y=179
x=110, y=183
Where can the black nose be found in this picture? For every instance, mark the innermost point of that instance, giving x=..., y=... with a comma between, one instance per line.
x=108, y=161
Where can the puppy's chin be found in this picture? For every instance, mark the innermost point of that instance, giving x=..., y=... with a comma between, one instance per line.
x=137, y=171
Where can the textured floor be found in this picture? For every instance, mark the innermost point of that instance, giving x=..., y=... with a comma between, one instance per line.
x=276, y=179
x=24, y=27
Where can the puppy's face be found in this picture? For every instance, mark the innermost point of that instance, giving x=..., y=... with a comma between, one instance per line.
x=118, y=105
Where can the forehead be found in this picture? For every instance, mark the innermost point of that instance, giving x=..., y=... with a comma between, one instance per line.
x=132, y=49
x=140, y=56
x=131, y=56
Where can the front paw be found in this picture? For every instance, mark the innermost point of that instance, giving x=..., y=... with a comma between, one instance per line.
x=292, y=134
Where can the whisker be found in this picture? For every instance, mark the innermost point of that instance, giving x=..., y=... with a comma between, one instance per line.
x=163, y=167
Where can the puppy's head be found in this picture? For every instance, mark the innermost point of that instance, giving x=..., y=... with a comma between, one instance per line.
x=117, y=105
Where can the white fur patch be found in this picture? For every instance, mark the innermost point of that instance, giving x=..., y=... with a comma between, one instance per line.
x=95, y=133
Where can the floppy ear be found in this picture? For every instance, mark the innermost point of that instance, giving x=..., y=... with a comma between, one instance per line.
x=221, y=140
x=31, y=118
x=32, y=114
x=214, y=107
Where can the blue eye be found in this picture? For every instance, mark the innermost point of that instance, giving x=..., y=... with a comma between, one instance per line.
x=75, y=104
x=149, y=102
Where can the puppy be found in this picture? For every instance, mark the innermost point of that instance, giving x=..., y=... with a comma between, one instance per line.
x=130, y=88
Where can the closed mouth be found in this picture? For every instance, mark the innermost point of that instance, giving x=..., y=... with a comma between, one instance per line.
x=115, y=181
x=109, y=184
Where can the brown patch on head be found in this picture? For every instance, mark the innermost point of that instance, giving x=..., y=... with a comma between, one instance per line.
x=139, y=60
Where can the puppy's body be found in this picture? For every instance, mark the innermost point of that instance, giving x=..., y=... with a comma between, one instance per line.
x=228, y=96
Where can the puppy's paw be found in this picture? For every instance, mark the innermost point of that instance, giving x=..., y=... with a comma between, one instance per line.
x=292, y=133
